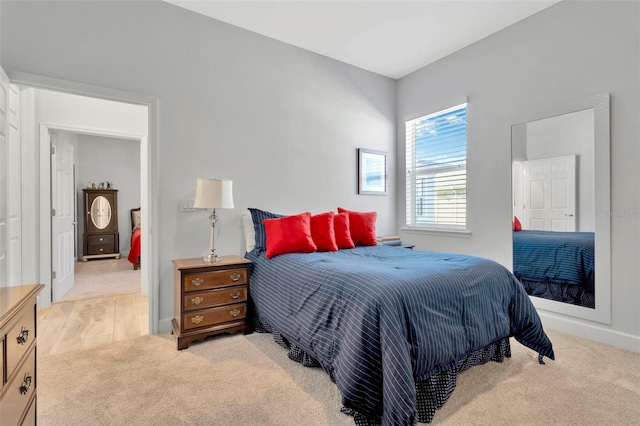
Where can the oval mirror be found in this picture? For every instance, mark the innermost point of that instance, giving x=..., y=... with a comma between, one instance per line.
x=100, y=212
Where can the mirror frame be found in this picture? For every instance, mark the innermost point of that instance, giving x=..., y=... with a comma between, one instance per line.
x=602, y=197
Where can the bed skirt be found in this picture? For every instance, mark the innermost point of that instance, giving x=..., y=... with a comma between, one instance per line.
x=565, y=293
x=431, y=394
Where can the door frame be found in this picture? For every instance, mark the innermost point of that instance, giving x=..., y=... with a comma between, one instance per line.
x=149, y=178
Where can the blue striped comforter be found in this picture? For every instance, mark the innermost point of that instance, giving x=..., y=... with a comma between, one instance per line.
x=554, y=257
x=385, y=318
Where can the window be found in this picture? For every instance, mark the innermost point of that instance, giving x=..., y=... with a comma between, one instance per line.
x=437, y=170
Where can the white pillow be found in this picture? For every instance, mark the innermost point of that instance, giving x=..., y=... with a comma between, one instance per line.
x=249, y=232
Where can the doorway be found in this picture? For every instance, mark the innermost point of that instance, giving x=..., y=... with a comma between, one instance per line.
x=86, y=168
x=42, y=242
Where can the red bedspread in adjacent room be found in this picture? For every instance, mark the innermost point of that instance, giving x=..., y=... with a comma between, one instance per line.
x=134, y=253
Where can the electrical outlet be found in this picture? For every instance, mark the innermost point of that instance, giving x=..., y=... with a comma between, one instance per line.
x=186, y=205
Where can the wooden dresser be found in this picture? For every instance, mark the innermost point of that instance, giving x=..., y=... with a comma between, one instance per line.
x=210, y=298
x=18, y=335
x=101, y=238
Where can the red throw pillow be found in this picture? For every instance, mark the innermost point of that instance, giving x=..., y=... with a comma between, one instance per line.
x=322, y=231
x=363, y=227
x=342, y=231
x=517, y=226
x=291, y=234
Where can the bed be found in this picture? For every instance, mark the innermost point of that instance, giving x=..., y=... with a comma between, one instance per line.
x=134, y=253
x=391, y=326
x=556, y=265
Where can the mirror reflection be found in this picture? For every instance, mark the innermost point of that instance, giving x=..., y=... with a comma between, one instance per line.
x=554, y=207
x=100, y=212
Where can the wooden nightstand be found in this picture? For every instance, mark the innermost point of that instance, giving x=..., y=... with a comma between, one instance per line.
x=210, y=298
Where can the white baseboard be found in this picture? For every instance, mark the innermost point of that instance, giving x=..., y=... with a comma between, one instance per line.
x=589, y=331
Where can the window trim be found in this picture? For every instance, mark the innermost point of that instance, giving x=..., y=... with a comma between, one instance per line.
x=411, y=224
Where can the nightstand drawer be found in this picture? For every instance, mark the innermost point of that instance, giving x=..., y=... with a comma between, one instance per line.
x=215, y=316
x=19, y=392
x=212, y=298
x=213, y=279
x=19, y=339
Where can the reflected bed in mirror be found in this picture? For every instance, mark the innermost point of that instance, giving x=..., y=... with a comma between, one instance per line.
x=560, y=184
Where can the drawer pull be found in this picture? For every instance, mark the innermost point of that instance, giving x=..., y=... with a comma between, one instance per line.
x=235, y=277
x=197, y=300
x=23, y=337
x=100, y=239
x=197, y=282
x=197, y=319
x=235, y=294
x=235, y=312
x=26, y=384
x=101, y=250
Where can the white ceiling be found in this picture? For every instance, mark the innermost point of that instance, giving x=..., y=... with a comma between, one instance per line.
x=392, y=37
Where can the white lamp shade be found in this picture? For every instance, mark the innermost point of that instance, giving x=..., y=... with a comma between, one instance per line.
x=214, y=194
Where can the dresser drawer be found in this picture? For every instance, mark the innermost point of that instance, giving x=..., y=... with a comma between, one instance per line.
x=97, y=240
x=30, y=418
x=100, y=249
x=213, y=279
x=214, y=316
x=212, y=298
x=19, y=392
x=19, y=339
x=4, y=357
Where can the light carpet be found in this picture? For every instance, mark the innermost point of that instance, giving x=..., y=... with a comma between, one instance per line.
x=248, y=380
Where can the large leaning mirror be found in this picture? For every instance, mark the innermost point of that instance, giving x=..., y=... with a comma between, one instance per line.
x=561, y=201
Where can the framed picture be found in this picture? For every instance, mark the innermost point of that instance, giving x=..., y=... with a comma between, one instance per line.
x=372, y=172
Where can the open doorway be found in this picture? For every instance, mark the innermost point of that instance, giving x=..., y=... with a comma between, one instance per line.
x=95, y=187
x=38, y=178
x=93, y=146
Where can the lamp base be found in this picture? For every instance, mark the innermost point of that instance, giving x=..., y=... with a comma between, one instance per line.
x=212, y=258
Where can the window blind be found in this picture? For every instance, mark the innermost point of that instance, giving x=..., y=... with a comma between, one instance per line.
x=436, y=190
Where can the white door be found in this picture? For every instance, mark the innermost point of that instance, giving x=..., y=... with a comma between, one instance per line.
x=62, y=216
x=14, y=188
x=4, y=177
x=550, y=194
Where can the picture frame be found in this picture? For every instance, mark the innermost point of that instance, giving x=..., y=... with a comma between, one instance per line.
x=372, y=172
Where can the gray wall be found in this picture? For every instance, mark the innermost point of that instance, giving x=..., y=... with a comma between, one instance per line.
x=282, y=123
x=565, y=53
x=117, y=161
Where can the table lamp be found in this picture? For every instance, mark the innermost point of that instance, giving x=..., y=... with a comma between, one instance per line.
x=213, y=194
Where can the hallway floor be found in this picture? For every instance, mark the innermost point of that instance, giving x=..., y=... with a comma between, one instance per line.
x=95, y=318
